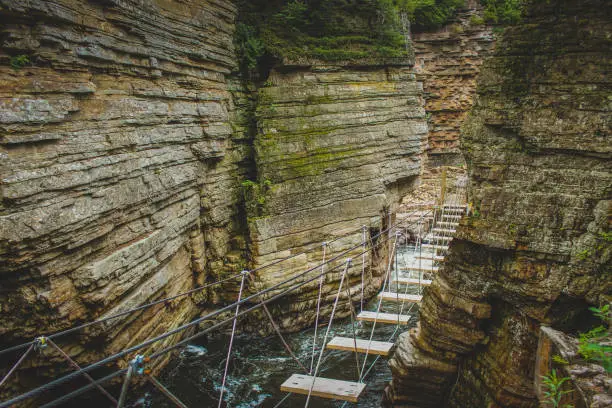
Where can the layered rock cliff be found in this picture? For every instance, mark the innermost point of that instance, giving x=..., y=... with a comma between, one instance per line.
x=448, y=61
x=133, y=168
x=536, y=249
x=119, y=164
x=337, y=148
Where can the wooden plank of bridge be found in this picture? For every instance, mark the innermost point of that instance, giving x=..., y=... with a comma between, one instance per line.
x=453, y=210
x=453, y=216
x=382, y=348
x=447, y=223
x=430, y=246
x=391, y=318
x=400, y=297
x=413, y=281
x=421, y=269
x=445, y=230
x=430, y=258
x=324, y=387
x=441, y=238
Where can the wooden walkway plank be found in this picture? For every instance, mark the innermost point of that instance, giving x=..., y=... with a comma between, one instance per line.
x=445, y=230
x=455, y=206
x=430, y=258
x=440, y=238
x=421, y=269
x=431, y=246
x=436, y=258
x=324, y=387
x=400, y=297
x=448, y=210
x=391, y=318
x=382, y=348
x=413, y=281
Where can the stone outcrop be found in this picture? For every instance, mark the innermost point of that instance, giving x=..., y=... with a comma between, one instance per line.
x=137, y=164
x=120, y=169
x=447, y=61
x=336, y=148
x=536, y=249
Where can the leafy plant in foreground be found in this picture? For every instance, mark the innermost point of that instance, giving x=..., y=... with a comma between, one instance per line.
x=555, y=392
x=595, y=345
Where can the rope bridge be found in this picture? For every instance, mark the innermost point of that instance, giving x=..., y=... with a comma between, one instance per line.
x=435, y=229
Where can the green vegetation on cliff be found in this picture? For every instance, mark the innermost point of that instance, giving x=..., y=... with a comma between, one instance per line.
x=328, y=30
x=269, y=31
x=503, y=11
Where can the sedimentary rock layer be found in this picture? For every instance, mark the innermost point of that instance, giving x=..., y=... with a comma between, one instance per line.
x=336, y=148
x=536, y=248
x=119, y=166
x=447, y=61
x=129, y=170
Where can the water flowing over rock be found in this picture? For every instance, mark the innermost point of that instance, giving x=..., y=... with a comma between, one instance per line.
x=536, y=248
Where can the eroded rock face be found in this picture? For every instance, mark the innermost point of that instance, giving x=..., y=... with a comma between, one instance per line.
x=537, y=248
x=126, y=150
x=119, y=166
x=336, y=148
x=448, y=61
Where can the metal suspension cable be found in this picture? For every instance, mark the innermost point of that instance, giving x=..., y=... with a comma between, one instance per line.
x=353, y=318
x=17, y=364
x=166, y=350
x=231, y=343
x=77, y=367
x=283, y=400
x=168, y=299
x=331, y=319
x=123, y=353
x=363, y=239
x=388, y=272
x=278, y=332
x=166, y=392
x=125, y=386
x=314, y=339
x=195, y=336
x=170, y=348
x=366, y=372
x=83, y=389
x=120, y=314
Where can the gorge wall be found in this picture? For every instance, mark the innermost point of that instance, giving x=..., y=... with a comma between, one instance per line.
x=338, y=148
x=119, y=165
x=133, y=168
x=536, y=250
x=447, y=62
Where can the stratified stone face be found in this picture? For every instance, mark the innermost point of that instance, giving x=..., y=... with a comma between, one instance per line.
x=336, y=148
x=125, y=143
x=119, y=166
x=447, y=61
x=537, y=247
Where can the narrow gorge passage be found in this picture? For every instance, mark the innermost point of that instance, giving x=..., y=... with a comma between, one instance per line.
x=191, y=188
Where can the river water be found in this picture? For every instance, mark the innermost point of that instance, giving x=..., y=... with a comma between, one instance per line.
x=259, y=366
